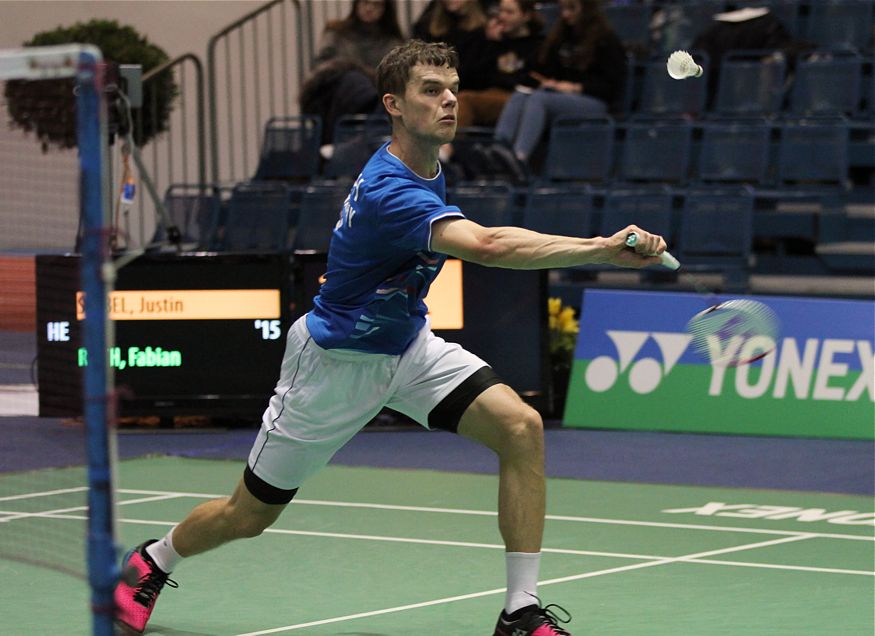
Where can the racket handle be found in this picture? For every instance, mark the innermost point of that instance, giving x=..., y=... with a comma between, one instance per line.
x=666, y=259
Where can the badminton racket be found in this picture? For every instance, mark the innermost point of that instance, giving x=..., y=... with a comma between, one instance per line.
x=728, y=333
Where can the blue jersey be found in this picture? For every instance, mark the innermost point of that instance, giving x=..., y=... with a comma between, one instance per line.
x=380, y=263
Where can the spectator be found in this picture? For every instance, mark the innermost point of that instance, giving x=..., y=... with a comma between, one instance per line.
x=581, y=71
x=342, y=80
x=751, y=28
x=459, y=23
x=509, y=56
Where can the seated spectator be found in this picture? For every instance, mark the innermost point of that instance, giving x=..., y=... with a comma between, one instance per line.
x=581, y=70
x=750, y=28
x=459, y=23
x=509, y=55
x=342, y=80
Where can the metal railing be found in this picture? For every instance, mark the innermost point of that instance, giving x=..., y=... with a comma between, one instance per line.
x=253, y=71
x=177, y=155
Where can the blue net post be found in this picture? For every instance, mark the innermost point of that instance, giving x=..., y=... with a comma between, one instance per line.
x=102, y=568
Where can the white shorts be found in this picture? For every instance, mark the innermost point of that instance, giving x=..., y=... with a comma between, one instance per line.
x=325, y=396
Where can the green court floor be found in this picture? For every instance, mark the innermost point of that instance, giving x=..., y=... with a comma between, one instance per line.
x=382, y=552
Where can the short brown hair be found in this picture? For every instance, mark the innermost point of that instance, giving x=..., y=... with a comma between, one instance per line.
x=393, y=71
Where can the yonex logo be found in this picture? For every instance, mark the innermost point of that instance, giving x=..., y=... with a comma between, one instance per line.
x=645, y=374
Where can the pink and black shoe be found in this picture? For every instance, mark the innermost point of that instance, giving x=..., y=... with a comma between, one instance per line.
x=532, y=620
x=140, y=584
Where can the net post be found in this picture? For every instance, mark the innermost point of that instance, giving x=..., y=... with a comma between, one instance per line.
x=96, y=281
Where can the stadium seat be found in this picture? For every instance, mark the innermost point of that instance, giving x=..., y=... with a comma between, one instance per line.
x=356, y=138
x=318, y=213
x=478, y=156
x=559, y=209
x=290, y=149
x=631, y=22
x=194, y=210
x=734, y=151
x=662, y=95
x=684, y=21
x=656, y=151
x=813, y=153
x=258, y=218
x=490, y=204
x=650, y=208
x=827, y=82
x=751, y=83
x=580, y=149
x=716, y=234
x=841, y=23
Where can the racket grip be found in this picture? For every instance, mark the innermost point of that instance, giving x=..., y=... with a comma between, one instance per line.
x=666, y=259
x=669, y=261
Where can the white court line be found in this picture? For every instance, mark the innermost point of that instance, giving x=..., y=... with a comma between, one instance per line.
x=495, y=546
x=587, y=575
x=45, y=493
x=491, y=513
x=650, y=561
x=59, y=513
x=771, y=566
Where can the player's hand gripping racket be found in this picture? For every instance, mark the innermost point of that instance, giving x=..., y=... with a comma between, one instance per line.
x=728, y=333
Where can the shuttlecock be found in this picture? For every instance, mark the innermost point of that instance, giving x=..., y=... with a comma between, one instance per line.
x=681, y=66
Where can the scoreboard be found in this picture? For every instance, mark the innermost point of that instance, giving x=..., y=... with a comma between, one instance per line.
x=205, y=333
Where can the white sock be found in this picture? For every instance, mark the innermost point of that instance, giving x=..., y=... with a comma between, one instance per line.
x=522, y=579
x=164, y=554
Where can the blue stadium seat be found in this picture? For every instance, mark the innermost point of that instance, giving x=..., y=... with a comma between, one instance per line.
x=290, y=149
x=751, y=83
x=684, y=21
x=649, y=208
x=827, y=82
x=813, y=153
x=631, y=22
x=662, y=95
x=490, y=204
x=356, y=138
x=734, y=151
x=318, y=213
x=258, y=218
x=841, y=23
x=716, y=234
x=566, y=210
x=580, y=149
x=656, y=151
x=194, y=210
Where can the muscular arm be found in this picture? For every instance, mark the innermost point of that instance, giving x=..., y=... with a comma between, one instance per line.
x=518, y=248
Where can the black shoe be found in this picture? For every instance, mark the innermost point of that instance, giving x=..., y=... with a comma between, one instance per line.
x=532, y=621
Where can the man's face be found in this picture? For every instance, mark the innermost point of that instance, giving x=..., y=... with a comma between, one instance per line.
x=428, y=106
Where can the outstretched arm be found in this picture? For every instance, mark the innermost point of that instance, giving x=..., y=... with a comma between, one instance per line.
x=518, y=248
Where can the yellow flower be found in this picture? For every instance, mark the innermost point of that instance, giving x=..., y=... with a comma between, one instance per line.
x=566, y=322
x=563, y=328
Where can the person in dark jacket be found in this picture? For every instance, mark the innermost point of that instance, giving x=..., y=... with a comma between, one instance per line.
x=459, y=23
x=507, y=60
x=342, y=80
x=581, y=71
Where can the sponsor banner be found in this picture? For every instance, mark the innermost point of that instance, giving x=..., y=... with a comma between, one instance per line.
x=634, y=368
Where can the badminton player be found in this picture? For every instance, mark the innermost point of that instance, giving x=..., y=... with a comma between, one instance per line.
x=367, y=345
